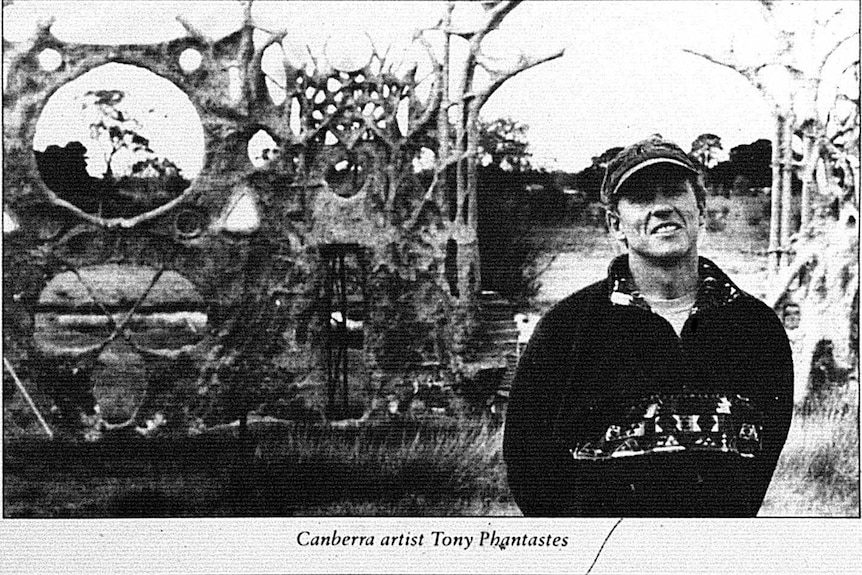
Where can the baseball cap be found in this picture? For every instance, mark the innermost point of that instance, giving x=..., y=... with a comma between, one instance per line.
x=649, y=152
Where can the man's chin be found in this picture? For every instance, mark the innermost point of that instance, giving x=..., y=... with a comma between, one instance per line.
x=669, y=256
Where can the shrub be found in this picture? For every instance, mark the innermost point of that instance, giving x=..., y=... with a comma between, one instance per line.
x=717, y=213
x=755, y=210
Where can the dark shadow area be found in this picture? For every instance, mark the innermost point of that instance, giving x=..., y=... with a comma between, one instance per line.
x=151, y=183
x=399, y=467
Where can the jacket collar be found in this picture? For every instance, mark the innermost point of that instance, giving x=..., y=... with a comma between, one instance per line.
x=715, y=288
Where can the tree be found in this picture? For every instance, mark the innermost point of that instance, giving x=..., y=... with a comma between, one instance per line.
x=463, y=102
x=511, y=196
x=705, y=150
x=125, y=151
x=589, y=180
x=747, y=170
x=503, y=143
x=64, y=171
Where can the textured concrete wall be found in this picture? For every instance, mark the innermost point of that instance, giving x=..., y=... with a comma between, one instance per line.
x=244, y=240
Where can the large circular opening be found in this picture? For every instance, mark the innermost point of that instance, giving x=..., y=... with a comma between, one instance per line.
x=118, y=141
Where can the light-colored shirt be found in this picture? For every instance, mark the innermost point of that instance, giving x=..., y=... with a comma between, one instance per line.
x=675, y=311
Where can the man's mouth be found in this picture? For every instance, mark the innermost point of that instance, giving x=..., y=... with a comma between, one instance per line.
x=666, y=228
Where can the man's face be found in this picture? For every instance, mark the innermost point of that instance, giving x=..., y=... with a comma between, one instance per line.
x=658, y=223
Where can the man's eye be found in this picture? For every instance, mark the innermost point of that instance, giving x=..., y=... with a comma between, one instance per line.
x=641, y=197
x=649, y=195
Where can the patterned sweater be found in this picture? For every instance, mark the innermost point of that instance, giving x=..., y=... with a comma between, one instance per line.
x=613, y=414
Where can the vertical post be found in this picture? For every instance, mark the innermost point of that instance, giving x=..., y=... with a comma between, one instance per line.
x=787, y=191
x=810, y=163
x=447, y=209
x=775, y=211
x=342, y=344
x=327, y=330
x=471, y=217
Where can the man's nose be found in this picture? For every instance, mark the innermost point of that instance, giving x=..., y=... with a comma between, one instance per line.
x=663, y=209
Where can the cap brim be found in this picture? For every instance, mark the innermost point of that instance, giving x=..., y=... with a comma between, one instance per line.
x=647, y=163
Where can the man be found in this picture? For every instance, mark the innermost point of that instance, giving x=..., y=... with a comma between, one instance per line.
x=662, y=390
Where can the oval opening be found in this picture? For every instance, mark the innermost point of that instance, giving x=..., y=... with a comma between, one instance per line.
x=347, y=176
x=118, y=141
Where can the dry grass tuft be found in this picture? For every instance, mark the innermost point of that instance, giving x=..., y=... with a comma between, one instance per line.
x=818, y=473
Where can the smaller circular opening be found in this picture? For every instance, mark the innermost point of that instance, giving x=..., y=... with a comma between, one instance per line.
x=262, y=149
x=190, y=60
x=346, y=177
x=50, y=59
x=189, y=223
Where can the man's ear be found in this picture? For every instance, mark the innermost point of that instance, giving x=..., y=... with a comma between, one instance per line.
x=613, y=221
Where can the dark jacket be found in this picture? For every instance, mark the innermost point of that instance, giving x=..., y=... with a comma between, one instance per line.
x=612, y=414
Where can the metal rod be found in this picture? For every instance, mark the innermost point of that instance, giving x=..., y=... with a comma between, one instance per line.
x=343, y=281
x=775, y=205
x=330, y=383
x=32, y=405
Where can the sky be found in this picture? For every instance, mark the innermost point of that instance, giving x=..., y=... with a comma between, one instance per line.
x=623, y=77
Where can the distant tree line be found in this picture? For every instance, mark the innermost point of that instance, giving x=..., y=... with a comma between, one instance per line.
x=747, y=170
x=513, y=195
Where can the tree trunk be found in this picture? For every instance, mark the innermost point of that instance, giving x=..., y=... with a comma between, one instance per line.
x=472, y=195
x=444, y=145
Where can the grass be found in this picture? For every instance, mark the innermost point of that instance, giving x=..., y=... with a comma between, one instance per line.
x=818, y=472
x=414, y=469
x=386, y=469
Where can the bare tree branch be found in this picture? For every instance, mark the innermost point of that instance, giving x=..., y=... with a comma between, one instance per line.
x=431, y=109
x=439, y=168
x=496, y=15
x=525, y=64
x=748, y=73
x=834, y=49
x=191, y=29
